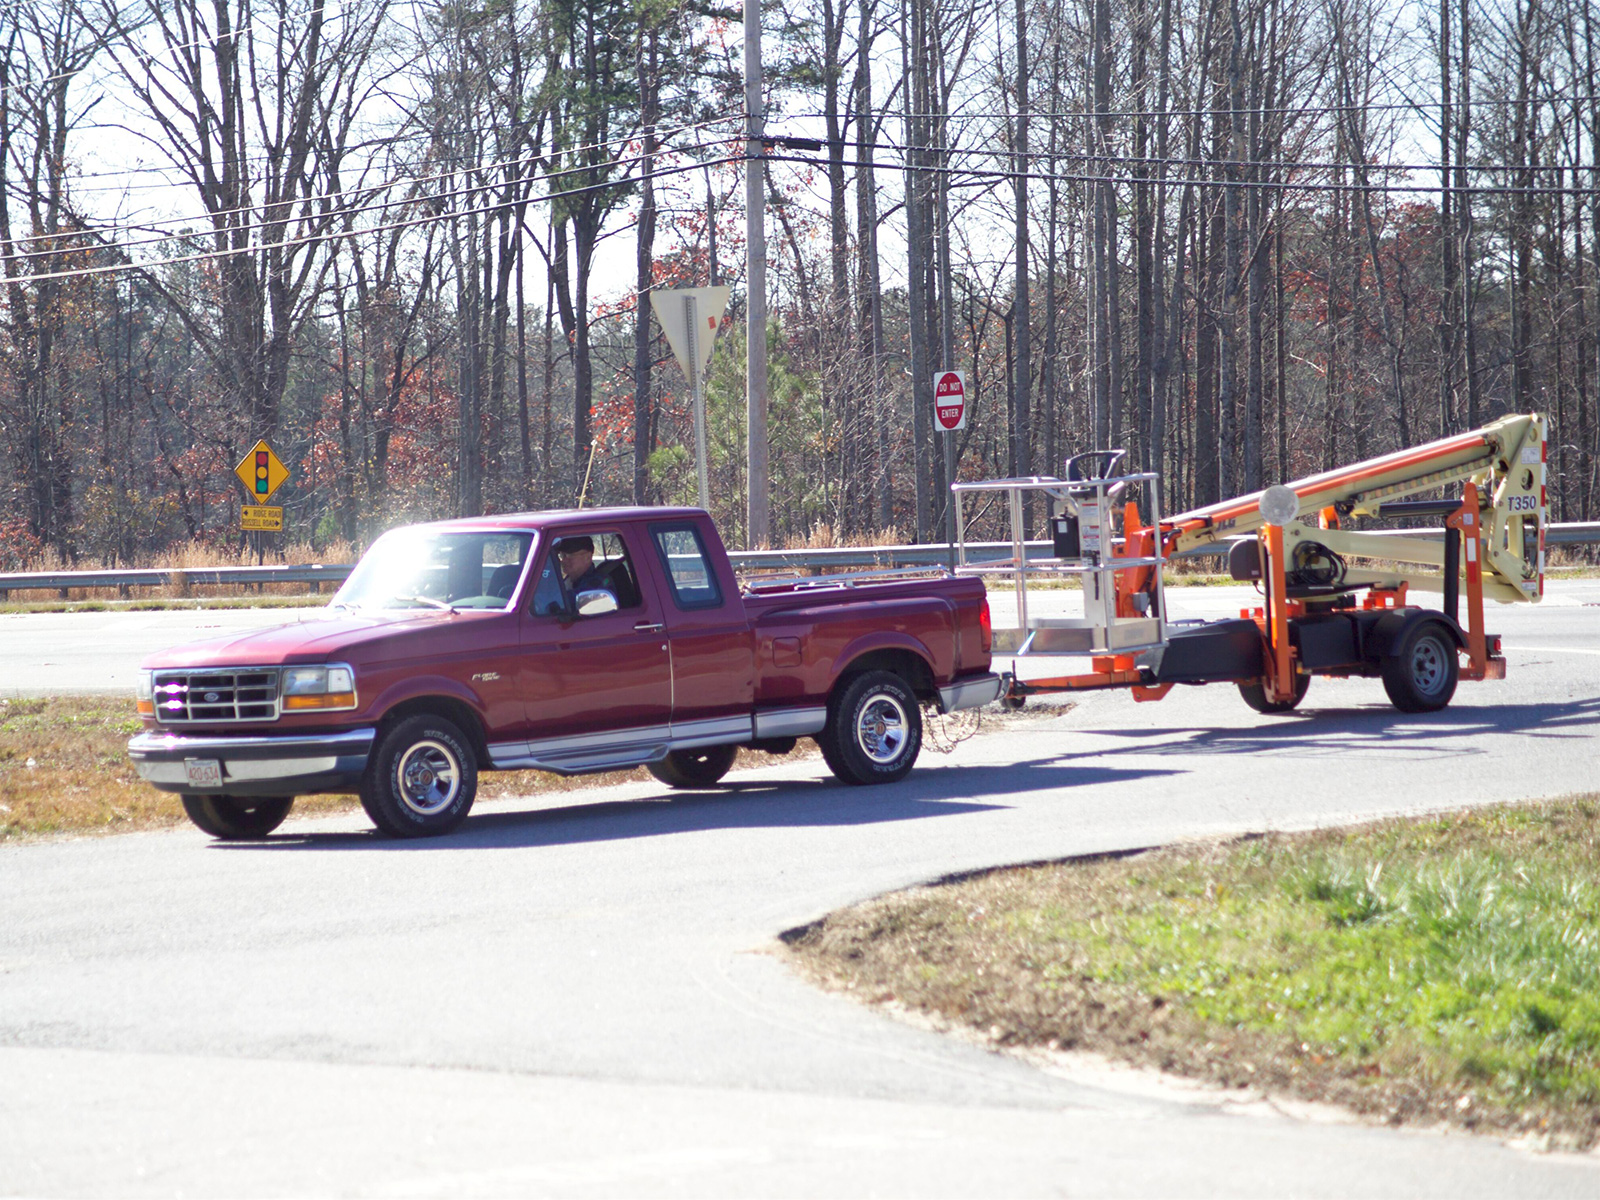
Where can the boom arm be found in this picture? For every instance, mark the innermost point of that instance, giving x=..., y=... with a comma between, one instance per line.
x=1506, y=462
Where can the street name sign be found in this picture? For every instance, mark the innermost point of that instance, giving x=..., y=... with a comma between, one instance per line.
x=261, y=516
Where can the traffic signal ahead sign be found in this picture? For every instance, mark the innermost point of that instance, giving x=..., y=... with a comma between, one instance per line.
x=261, y=472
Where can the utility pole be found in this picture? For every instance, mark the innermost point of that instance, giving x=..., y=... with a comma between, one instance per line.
x=759, y=532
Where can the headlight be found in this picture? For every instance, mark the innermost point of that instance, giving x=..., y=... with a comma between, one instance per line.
x=318, y=688
x=144, y=693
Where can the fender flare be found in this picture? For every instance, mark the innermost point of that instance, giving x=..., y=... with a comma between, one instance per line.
x=1391, y=629
x=422, y=688
x=876, y=643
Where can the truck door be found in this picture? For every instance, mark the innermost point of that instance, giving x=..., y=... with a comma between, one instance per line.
x=592, y=675
x=713, y=663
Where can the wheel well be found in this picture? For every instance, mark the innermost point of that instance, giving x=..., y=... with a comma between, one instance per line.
x=452, y=710
x=907, y=664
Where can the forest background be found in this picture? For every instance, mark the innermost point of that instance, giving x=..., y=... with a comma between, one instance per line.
x=406, y=241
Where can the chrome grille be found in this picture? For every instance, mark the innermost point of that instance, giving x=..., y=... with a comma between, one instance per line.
x=206, y=697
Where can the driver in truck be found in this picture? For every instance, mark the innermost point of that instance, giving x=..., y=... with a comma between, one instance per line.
x=576, y=556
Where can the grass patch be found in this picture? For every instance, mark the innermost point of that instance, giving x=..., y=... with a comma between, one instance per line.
x=64, y=769
x=1445, y=968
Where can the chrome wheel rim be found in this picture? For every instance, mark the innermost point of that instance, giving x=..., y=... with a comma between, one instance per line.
x=882, y=729
x=429, y=776
x=1429, y=669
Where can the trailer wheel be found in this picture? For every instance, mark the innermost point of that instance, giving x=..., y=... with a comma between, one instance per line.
x=874, y=730
x=694, y=768
x=238, y=818
x=1255, y=695
x=421, y=780
x=1420, y=676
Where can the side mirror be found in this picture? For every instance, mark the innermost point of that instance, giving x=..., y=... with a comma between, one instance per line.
x=596, y=603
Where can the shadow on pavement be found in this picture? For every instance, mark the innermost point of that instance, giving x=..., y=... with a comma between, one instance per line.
x=1310, y=731
x=747, y=804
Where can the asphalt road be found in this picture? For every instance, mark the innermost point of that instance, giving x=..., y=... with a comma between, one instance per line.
x=580, y=997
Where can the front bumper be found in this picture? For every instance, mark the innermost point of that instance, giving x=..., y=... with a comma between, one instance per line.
x=282, y=765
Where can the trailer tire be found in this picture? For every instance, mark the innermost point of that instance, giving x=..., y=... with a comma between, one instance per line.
x=1254, y=693
x=700, y=768
x=238, y=818
x=874, y=730
x=422, y=778
x=1420, y=676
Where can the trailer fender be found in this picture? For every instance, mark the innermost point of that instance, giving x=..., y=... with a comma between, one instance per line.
x=1391, y=628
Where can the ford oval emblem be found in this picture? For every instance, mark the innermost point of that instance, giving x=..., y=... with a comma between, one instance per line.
x=212, y=697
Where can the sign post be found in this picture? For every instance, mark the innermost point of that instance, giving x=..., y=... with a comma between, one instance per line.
x=950, y=414
x=689, y=317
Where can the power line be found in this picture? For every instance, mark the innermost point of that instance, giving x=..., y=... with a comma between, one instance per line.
x=1260, y=110
x=978, y=177
x=1265, y=185
x=1175, y=161
x=346, y=234
x=299, y=201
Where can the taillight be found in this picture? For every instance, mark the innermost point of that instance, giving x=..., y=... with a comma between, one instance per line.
x=986, y=627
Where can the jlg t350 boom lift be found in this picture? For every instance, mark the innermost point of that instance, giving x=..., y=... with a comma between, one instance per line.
x=1335, y=601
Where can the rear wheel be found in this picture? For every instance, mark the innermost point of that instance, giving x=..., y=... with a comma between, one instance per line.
x=422, y=779
x=700, y=768
x=874, y=730
x=1420, y=676
x=238, y=818
x=1254, y=693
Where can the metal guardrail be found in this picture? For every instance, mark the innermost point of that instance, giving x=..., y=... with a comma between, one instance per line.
x=932, y=554
x=180, y=579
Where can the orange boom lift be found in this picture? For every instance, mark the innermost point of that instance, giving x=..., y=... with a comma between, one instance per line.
x=1335, y=601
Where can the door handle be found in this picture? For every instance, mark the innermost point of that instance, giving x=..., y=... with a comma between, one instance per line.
x=647, y=627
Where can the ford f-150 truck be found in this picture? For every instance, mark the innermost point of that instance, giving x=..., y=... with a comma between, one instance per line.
x=562, y=641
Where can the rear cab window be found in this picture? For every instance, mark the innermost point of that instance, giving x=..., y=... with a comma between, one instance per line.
x=688, y=567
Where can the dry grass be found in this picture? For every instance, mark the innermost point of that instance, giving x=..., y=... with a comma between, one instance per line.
x=64, y=769
x=1438, y=970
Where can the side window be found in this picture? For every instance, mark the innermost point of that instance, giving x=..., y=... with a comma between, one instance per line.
x=583, y=562
x=694, y=585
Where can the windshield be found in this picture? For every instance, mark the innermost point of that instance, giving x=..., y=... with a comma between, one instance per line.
x=431, y=568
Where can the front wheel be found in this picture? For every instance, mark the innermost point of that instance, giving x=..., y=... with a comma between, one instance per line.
x=238, y=818
x=694, y=768
x=1421, y=675
x=422, y=779
x=874, y=730
x=1254, y=693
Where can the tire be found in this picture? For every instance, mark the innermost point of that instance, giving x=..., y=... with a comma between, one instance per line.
x=694, y=768
x=1420, y=676
x=1254, y=693
x=422, y=779
x=238, y=818
x=874, y=730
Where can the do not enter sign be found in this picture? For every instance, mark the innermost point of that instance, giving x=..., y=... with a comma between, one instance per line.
x=950, y=400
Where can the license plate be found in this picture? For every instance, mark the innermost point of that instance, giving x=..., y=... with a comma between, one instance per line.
x=203, y=772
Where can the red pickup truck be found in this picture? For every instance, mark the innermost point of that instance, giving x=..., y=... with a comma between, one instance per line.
x=561, y=641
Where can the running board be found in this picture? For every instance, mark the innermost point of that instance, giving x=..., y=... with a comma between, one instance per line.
x=583, y=754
